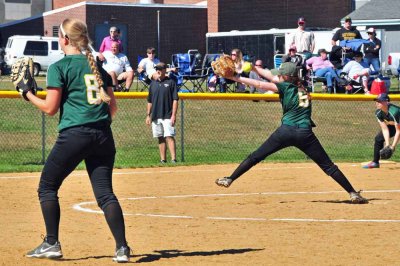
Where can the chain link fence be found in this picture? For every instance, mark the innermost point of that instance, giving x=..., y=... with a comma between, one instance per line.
x=209, y=130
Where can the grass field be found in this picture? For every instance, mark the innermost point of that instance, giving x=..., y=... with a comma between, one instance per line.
x=215, y=131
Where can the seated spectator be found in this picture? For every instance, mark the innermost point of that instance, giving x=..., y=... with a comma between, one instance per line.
x=357, y=72
x=253, y=75
x=107, y=42
x=118, y=67
x=237, y=57
x=147, y=65
x=322, y=67
x=293, y=57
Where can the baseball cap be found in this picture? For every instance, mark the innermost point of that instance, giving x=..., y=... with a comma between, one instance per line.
x=287, y=69
x=301, y=20
x=160, y=66
x=347, y=19
x=371, y=30
x=383, y=97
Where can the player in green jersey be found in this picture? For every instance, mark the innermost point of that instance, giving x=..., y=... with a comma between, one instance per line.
x=83, y=94
x=296, y=128
x=388, y=116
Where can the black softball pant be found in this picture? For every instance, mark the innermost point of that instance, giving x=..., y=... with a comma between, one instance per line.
x=93, y=144
x=380, y=142
x=301, y=138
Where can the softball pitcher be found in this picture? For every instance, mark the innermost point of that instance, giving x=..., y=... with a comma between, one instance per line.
x=296, y=128
x=75, y=86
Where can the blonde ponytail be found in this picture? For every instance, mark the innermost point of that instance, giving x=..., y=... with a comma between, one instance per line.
x=76, y=32
x=103, y=94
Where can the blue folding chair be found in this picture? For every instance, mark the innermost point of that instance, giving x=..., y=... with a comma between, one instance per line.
x=190, y=75
x=143, y=82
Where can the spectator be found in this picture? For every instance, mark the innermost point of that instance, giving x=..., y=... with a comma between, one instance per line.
x=146, y=65
x=293, y=57
x=237, y=57
x=107, y=41
x=371, y=51
x=302, y=39
x=357, y=72
x=322, y=67
x=162, y=106
x=118, y=67
x=347, y=32
x=254, y=75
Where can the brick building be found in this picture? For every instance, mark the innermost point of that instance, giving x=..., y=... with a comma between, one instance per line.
x=227, y=15
x=180, y=24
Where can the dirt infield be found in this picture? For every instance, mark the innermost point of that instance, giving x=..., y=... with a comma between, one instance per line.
x=276, y=214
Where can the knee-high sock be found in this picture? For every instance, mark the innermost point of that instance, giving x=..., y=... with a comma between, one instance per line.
x=51, y=215
x=339, y=177
x=115, y=221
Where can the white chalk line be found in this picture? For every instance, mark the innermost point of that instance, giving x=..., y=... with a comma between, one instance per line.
x=81, y=207
x=139, y=172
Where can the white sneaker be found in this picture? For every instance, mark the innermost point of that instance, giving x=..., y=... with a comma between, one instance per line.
x=356, y=198
x=224, y=182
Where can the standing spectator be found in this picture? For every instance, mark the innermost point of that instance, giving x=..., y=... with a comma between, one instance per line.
x=77, y=88
x=388, y=116
x=254, y=75
x=162, y=106
x=347, y=32
x=146, y=65
x=118, y=67
x=371, y=51
x=322, y=67
x=303, y=39
x=107, y=41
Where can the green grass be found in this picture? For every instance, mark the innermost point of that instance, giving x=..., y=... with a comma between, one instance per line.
x=216, y=131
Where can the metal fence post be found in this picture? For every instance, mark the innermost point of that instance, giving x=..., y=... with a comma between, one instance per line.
x=43, y=137
x=182, y=132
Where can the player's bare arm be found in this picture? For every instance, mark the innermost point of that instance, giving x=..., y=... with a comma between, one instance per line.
x=174, y=111
x=263, y=85
x=51, y=104
x=266, y=73
x=113, y=102
x=396, y=137
x=385, y=132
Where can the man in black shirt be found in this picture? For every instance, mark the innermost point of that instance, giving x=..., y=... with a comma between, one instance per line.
x=162, y=106
x=347, y=32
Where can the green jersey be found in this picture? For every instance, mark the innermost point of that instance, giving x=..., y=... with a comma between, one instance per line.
x=391, y=118
x=296, y=105
x=80, y=101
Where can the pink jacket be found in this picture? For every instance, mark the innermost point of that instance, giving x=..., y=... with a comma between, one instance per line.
x=317, y=62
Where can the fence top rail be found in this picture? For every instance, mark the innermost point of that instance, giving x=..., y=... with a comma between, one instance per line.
x=227, y=96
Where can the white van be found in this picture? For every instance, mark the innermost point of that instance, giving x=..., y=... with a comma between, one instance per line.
x=43, y=50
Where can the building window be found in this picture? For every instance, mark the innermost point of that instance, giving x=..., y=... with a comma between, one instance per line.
x=18, y=1
x=55, y=31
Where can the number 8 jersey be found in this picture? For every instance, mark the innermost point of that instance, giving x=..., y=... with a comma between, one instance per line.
x=80, y=101
x=296, y=105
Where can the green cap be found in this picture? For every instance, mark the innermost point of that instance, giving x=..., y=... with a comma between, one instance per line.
x=286, y=69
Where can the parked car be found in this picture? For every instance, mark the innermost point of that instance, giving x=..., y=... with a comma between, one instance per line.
x=393, y=64
x=43, y=50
